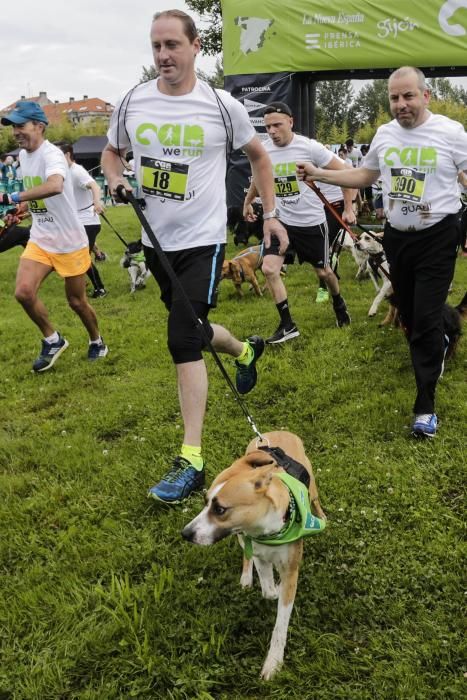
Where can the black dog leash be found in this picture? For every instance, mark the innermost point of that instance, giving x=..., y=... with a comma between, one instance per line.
x=126, y=197
x=114, y=230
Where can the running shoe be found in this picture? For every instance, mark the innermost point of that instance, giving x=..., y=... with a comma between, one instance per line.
x=282, y=334
x=179, y=482
x=322, y=295
x=98, y=293
x=247, y=375
x=97, y=350
x=425, y=425
x=50, y=352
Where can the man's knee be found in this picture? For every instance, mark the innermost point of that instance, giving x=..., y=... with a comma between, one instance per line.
x=271, y=266
x=24, y=293
x=78, y=304
x=186, y=341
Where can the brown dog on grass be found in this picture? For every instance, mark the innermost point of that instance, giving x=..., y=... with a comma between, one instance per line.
x=242, y=268
x=265, y=498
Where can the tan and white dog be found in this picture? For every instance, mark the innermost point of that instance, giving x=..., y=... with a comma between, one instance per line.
x=253, y=499
x=376, y=262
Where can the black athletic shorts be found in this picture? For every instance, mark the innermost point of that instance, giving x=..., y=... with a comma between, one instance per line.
x=198, y=270
x=309, y=243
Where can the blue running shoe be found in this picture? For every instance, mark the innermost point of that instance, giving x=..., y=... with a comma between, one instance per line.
x=97, y=350
x=425, y=425
x=246, y=374
x=179, y=482
x=50, y=352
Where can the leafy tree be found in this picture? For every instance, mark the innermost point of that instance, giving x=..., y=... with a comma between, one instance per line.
x=148, y=74
x=210, y=12
x=450, y=109
x=333, y=99
x=369, y=101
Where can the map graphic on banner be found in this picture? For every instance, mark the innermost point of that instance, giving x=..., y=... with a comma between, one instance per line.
x=267, y=36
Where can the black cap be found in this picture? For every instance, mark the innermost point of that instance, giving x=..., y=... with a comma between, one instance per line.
x=279, y=107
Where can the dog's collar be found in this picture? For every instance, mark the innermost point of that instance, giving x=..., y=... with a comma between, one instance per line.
x=300, y=521
x=290, y=465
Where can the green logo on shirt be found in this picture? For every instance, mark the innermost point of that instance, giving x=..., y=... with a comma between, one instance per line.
x=175, y=139
x=36, y=206
x=423, y=158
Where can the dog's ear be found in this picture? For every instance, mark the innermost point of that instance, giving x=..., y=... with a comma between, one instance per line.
x=263, y=477
x=259, y=458
x=225, y=269
x=235, y=272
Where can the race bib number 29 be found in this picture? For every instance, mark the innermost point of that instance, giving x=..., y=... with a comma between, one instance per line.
x=407, y=184
x=161, y=178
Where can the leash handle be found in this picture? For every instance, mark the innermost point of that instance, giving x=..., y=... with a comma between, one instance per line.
x=126, y=196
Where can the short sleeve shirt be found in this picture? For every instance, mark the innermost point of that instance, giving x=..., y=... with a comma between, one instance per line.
x=419, y=170
x=83, y=195
x=179, y=145
x=298, y=205
x=55, y=224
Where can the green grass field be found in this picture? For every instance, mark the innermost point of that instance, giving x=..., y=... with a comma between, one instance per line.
x=101, y=598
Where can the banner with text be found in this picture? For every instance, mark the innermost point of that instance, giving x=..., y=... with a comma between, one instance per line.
x=268, y=36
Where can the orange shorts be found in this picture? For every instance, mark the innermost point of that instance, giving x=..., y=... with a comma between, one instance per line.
x=65, y=264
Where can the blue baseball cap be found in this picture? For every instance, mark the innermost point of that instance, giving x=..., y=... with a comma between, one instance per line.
x=25, y=111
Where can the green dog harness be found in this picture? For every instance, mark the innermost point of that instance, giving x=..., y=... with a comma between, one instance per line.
x=301, y=521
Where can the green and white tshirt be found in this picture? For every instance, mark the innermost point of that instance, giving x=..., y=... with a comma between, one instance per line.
x=419, y=170
x=55, y=224
x=83, y=195
x=298, y=205
x=179, y=148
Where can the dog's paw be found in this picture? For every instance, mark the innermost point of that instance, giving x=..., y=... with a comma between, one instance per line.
x=371, y=313
x=270, y=668
x=246, y=580
x=271, y=593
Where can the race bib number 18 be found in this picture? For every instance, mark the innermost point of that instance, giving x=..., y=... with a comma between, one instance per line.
x=161, y=178
x=407, y=184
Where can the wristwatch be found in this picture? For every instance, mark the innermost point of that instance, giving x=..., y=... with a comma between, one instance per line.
x=274, y=214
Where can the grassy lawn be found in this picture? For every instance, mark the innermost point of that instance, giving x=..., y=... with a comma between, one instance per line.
x=99, y=596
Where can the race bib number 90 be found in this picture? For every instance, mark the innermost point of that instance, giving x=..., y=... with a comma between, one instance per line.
x=407, y=184
x=286, y=186
x=161, y=178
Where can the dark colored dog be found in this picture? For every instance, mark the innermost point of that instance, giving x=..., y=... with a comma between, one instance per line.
x=242, y=230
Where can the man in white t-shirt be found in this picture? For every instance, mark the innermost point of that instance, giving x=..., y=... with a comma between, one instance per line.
x=88, y=203
x=301, y=212
x=179, y=130
x=418, y=156
x=354, y=154
x=57, y=241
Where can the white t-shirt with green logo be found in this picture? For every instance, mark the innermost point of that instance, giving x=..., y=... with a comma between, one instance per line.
x=55, y=224
x=179, y=148
x=83, y=195
x=419, y=170
x=298, y=205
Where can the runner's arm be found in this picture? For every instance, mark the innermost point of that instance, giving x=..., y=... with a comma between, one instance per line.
x=356, y=178
x=262, y=175
x=248, y=213
x=348, y=214
x=52, y=186
x=96, y=196
x=112, y=166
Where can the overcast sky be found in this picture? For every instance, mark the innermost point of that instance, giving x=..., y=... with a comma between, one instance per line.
x=91, y=47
